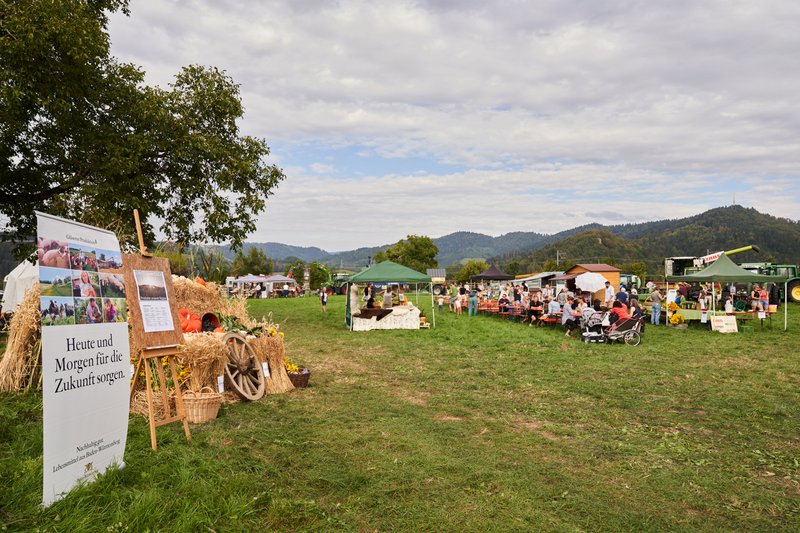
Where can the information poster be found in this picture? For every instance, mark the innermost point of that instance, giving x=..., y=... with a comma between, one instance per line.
x=85, y=353
x=153, y=303
x=724, y=324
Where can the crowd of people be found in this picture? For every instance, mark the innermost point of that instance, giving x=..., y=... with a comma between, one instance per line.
x=550, y=304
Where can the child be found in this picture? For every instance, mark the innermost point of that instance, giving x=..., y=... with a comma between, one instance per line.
x=458, y=305
x=441, y=303
x=728, y=304
x=323, y=299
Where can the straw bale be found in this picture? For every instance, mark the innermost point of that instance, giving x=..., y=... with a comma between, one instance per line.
x=204, y=356
x=272, y=351
x=195, y=297
x=139, y=404
x=237, y=307
x=21, y=359
x=229, y=397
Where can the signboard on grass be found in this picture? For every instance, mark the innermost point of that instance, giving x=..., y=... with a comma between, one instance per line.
x=85, y=353
x=724, y=324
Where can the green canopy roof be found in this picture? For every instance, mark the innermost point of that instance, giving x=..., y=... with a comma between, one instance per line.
x=725, y=270
x=388, y=271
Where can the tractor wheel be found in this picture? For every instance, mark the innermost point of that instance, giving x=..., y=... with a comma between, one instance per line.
x=794, y=290
x=632, y=338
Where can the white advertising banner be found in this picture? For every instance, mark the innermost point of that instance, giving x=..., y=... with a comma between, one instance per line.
x=85, y=353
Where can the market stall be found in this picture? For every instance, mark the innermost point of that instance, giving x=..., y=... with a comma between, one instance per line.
x=399, y=316
x=723, y=270
x=491, y=274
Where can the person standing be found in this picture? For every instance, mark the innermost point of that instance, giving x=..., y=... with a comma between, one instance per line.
x=655, y=312
x=323, y=299
x=387, y=298
x=472, y=310
x=763, y=298
x=285, y=290
x=608, y=299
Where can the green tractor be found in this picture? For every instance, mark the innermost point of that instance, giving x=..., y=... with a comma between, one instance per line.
x=790, y=272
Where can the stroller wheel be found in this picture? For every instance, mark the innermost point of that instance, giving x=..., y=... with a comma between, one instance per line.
x=632, y=338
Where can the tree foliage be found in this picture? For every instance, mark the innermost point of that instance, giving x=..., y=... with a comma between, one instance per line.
x=471, y=268
x=254, y=262
x=83, y=137
x=320, y=275
x=415, y=251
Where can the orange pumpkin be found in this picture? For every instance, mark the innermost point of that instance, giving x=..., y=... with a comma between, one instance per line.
x=190, y=322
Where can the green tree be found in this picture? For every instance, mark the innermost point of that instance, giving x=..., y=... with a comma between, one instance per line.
x=514, y=268
x=319, y=275
x=83, y=137
x=295, y=268
x=638, y=268
x=254, y=262
x=471, y=268
x=415, y=251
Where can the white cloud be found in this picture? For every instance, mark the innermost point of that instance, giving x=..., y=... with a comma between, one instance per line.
x=632, y=99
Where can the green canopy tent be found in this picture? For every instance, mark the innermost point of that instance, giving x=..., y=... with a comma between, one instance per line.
x=724, y=270
x=387, y=272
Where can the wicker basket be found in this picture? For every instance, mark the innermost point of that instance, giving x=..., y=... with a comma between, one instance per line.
x=300, y=381
x=201, y=406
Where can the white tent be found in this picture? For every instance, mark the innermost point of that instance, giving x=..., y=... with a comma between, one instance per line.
x=17, y=283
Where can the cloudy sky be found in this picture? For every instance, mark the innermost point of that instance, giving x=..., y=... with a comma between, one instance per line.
x=428, y=117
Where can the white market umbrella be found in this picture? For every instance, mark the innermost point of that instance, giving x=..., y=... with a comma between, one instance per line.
x=590, y=281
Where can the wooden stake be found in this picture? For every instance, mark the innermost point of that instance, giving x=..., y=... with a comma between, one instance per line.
x=142, y=248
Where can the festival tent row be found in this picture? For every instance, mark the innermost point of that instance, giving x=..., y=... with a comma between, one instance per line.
x=267, y=281
x=723, y=270
x=383, y=272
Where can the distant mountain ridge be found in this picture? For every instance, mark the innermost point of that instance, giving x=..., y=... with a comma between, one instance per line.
x=717, y=229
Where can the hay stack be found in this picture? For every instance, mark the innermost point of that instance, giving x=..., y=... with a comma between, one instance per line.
x=139, y=404
x=19, y=366
x=237, y=307
x=204, y=355
x=195, y=297
x=271, y=350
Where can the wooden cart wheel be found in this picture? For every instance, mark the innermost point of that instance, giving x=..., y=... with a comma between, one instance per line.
x=243, y=372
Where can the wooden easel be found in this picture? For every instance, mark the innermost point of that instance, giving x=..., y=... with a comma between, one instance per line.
x=154, y=345
x=180, y=412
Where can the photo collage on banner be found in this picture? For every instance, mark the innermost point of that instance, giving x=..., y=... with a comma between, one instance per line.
x=76, y=286
x=85, y=354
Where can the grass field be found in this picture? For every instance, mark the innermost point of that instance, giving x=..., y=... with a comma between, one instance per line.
x=478, y=425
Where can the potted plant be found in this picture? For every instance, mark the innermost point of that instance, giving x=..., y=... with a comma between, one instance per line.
x=298, y=375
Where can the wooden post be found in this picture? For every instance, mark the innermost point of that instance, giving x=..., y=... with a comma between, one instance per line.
x=142, y=248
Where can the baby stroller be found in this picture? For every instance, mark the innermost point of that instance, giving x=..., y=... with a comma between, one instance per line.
x=627, y=330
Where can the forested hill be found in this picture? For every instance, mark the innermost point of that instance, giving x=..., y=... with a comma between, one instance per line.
x=722, y=228
x=719, y=229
